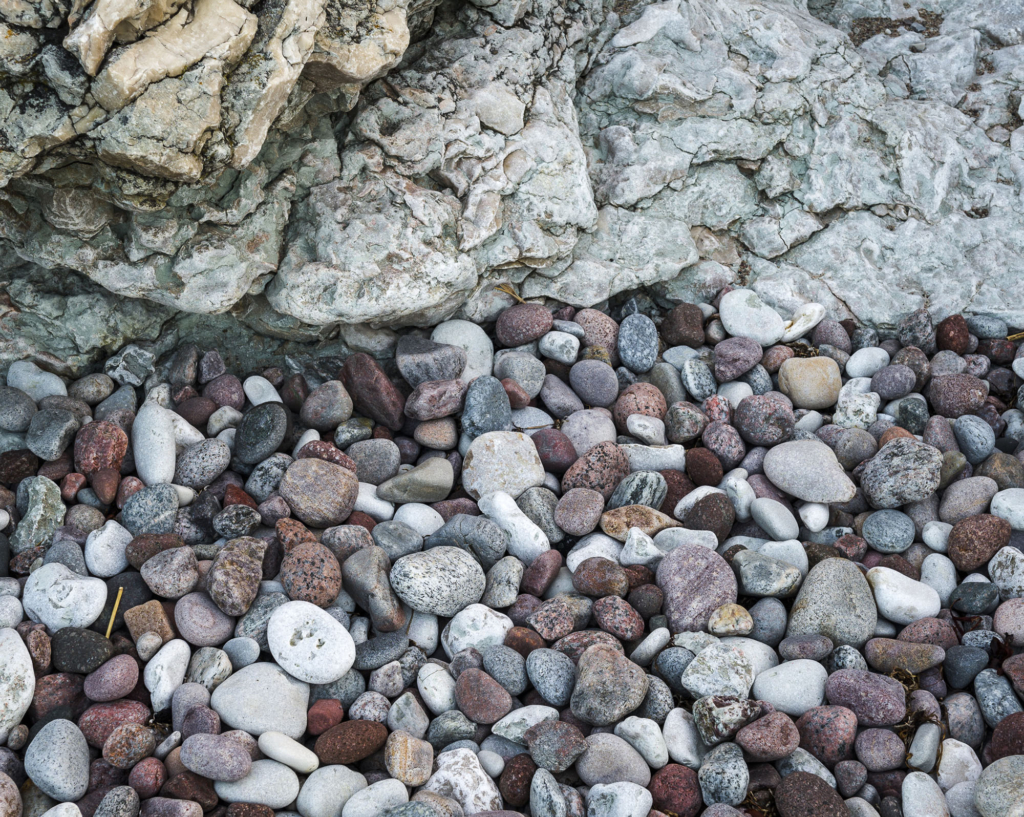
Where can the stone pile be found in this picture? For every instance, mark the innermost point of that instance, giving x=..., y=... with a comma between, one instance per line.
x=702, y=561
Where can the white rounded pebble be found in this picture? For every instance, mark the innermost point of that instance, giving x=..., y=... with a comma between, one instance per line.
x=922, y=797
x=683, y=740
x=803, y=321
x=11, y=612
x=376, y=799
x=326, y=791
x=745, y=315
x=649, y=430
x=960, y=800
x=936, y=535
x=436, y=687
x=792, y=687
x=32, y=380
x=241, y=701
x=310, y=644
x=740, y=494
x=492, y=762
x=735, y=392
x=560, y=346
x=105, y=549
x=58, y=597
x=790, y=551
x=278, y=746
x=308, y=436
x=939, y=573
x=165, y=672
x=561, y=584
x=19, y=679
x=761, y=655
x=901, y=599
x=647, y=649
x=774, y=519
x=526, y=541
x=671, y=538
x=5, y=519
x=367, y=501
x=959, y=764
x=867, y=362
x=1007, y=571
x=645, y=736
x=477, y=626
x=421, y=518
x=471, y=337
x=516, y=723
x=423, y=631
x=591, y=545
x=186, y=495
x=260, y=390
x=63, y=810
x=814, y=515
x=223, y=418
x=268, y=783
x=1009, y=505
x=153, y=444
x=655, y=457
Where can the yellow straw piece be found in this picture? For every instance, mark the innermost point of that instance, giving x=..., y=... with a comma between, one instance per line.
x=113, y=614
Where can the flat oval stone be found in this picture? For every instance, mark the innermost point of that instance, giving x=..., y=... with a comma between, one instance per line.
x=309, y=643
x=217, y=757
x=903, y=471
x=261, y=432
x=876, y=700
x=835, y=600
x=241, y=701
x=321, y=494
x=808, y=470
x=696, y=581
x=440, y=581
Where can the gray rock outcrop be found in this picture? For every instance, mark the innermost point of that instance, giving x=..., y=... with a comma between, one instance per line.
x=286, y=171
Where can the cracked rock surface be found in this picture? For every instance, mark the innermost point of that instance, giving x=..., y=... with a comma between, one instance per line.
x=279, y=172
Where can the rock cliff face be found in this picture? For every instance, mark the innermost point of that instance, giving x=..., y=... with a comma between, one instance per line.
x=278, y=172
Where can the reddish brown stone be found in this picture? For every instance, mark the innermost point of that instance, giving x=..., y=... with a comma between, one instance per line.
x=17, y=465
x=70, y=486
x=311, y=573
x=60, y=691
x=361, y=519
x=802, y=794
x=714, y=513
x=703, y=467
x=373, y=395
x=291, y=533
x=197, y=410
x=598, y=577
x=233, y=495
x=555, y=450
x=952, y=334
x=640, y=398
x=188, y=785
x=127, y=489
x=324, y=714
x=147, y=777
x=769, y=738
x=522, y=323
x=99, y=445
x=615, y=616
x=59, y=468
x=675, y=790
x=575, y=644
x=481, y=698
x=537, y=578
x=128, y=744
x=683, y=326
x=554, y=619
x=100, y=720
x=601, y=331
x=523, y=640
x=602, y=468
x=515, y=780
x=517, y=397
x=976, y=539
x=350, y=742
x=828, y=733
x=436, y=399
x=323, y=450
